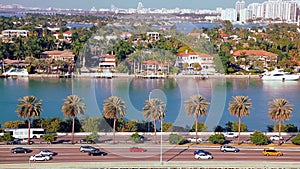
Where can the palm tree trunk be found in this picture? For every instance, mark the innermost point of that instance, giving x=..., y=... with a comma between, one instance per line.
x=279, y=132
x=239, y=130
x=73, y=127
x=114, y=129
x=196, y=128
x=28, y=131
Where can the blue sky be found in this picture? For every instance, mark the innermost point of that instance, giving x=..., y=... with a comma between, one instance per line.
x=88, y=4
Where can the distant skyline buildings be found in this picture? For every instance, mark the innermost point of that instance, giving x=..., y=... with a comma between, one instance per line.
x=126, y=4
x=281, y=10
x=240, y=11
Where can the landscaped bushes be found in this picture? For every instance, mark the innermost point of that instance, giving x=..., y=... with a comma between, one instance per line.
x=296, y=139
x=217, y=139
x=135, y=137
x=258, y=138
x=176, y=139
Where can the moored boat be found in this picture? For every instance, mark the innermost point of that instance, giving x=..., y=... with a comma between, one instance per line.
x=279, y=75
x=16, y=72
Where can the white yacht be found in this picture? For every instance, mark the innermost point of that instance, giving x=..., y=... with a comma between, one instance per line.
x=279, y=75
x=16, y=72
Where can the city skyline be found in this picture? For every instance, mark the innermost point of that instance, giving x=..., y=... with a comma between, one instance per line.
x=125, y=4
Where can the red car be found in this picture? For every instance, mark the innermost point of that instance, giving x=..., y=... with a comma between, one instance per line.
x=137, y=149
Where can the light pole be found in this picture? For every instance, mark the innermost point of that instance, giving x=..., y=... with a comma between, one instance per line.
x=161, y=133
x=149, y=97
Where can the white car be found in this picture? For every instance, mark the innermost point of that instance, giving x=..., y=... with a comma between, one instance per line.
x=39, y=157
x=231, y=135
x=276, y=138
x=227, y=148
x=194, y=140
x=204, y=156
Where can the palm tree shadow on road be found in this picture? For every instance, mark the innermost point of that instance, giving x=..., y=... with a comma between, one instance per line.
x=178, y=154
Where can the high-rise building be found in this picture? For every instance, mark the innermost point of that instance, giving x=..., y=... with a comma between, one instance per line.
x=229, y=14
x=280, y=10
x=239, y=5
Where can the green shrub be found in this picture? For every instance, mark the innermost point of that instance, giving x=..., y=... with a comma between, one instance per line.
x=176, y=139
x=135, y=137
x=217, y=139
x=92, y=137
x=7, y=137
x=50, y=137
x=258, y=138
x=296, y=139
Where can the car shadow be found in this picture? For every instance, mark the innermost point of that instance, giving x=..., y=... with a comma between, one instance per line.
x=178, y=154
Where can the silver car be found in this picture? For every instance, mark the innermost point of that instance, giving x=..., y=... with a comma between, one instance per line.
x=227, y=148
x=87, y=148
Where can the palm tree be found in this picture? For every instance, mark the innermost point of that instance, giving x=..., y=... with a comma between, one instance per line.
x=72, y=106
x=196, y=106
x=280, y=110
x=114, y=107
x=29, y=107
x=239, y=107
x=154, y=109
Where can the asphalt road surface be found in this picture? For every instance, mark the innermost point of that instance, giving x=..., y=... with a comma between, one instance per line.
x=122, y=154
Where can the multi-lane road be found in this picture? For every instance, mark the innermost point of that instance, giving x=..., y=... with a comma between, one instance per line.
x=69, y=155
x=121, y=153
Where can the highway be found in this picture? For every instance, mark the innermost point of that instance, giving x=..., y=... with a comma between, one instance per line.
x=121, y=153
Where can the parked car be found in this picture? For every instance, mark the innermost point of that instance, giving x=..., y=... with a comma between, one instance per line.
x=48, y=153
x=20, y=150
x=137, y=149
x=85, y=141
x=194, y=140
x=64, y=141
x=201, y=151
x=87, y=148
x=271, y=152
x=203, y=156
x=39, y=157
x=24, y=141
x=227, y=148
x=13, y=142
x=231, y=135
x=276, y=138
x=97, y=152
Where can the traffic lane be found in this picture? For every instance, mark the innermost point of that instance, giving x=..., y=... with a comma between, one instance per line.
x=153, y=154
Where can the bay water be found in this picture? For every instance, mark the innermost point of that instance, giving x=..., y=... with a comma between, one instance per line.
x=174, y=92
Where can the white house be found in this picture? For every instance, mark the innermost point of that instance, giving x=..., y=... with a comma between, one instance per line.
x=107, y=61
x=206, y=61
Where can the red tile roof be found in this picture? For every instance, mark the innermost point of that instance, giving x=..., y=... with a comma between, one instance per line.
x=185, y=54
x=153, y=62
x=108, y=56
x=68, y=32
x=224, y=35
x=65, y=53
x=253, y=52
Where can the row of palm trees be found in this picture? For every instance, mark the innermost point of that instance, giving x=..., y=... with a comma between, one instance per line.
x=154, y=109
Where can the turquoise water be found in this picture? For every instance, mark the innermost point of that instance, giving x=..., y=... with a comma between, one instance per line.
x=173, y=92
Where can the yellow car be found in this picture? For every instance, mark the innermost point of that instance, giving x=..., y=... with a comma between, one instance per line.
x=272, y=152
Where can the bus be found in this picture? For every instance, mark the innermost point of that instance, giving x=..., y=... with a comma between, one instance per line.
x=23, y=132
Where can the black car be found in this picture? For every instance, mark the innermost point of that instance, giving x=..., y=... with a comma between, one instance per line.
x=97, y=152
x=201, y=151
x=13, y=142
x=20, y=150
x=87, y=141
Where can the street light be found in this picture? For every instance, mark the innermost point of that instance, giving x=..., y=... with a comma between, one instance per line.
x=161, y=133
x=149, y=97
